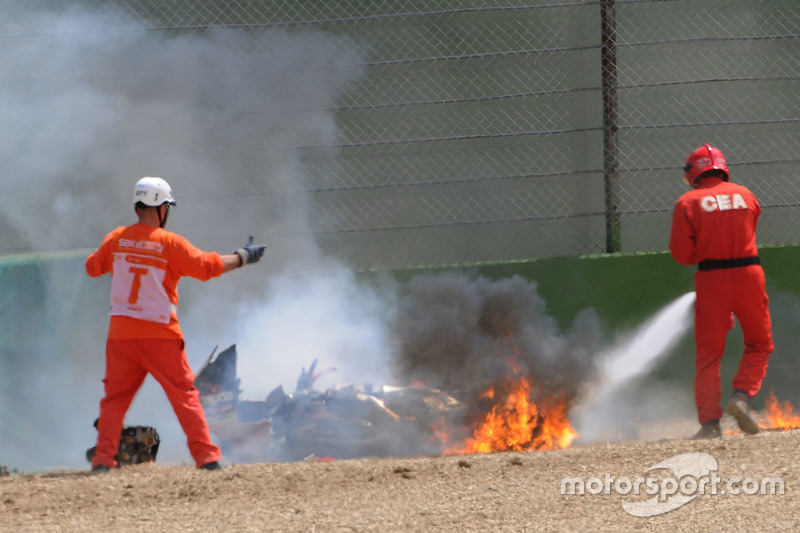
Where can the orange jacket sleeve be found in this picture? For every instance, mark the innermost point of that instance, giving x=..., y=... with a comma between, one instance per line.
x=99, y=262
x=185, y=259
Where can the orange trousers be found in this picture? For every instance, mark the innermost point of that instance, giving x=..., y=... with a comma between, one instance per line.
x=740, y=291
x=127, y=364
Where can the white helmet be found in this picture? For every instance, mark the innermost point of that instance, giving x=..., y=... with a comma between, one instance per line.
x=153, y=192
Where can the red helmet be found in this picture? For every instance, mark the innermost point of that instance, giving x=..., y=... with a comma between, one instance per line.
x=702, y=159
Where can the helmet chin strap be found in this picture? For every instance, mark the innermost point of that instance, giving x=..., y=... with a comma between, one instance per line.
x=162, y=223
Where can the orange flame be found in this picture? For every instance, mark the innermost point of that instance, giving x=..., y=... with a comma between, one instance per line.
x=517, y=423
x=780, y=415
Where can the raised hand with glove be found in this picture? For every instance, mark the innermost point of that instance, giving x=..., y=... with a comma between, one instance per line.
x=250, y=253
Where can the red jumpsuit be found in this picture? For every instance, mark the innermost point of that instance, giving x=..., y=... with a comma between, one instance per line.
x=714, y=226
x=144, y=336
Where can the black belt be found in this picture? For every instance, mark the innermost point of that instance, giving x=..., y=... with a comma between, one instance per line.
x=715, y=264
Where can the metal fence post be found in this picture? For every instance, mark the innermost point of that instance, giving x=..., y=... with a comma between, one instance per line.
x=608, y=53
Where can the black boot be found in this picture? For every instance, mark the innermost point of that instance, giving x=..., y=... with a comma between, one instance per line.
x=709, y=430
x=739, y=408
x=213, y=465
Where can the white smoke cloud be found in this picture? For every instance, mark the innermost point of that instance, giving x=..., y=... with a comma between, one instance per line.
x=328, y=315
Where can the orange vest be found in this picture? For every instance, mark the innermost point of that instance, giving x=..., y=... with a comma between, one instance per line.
x=146, y=263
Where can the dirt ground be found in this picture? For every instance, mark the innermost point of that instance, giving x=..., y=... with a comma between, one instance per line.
x=515, y=491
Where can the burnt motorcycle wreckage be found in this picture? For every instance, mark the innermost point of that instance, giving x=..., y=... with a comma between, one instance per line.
x=341, y=422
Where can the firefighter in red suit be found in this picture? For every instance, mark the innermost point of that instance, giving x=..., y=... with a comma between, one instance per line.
x=714, y=227
x=144, y=337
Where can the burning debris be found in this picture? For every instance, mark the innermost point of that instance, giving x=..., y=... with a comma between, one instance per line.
x=482, y=368
x=491, y=345
x=349, y=421
x=344, y=422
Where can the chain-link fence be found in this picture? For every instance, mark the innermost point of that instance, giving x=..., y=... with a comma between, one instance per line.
x=398, y=134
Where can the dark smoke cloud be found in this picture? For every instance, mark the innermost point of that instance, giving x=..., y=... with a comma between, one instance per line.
x=461, y=333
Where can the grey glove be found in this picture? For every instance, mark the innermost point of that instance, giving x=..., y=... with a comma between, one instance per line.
x=250, y=253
